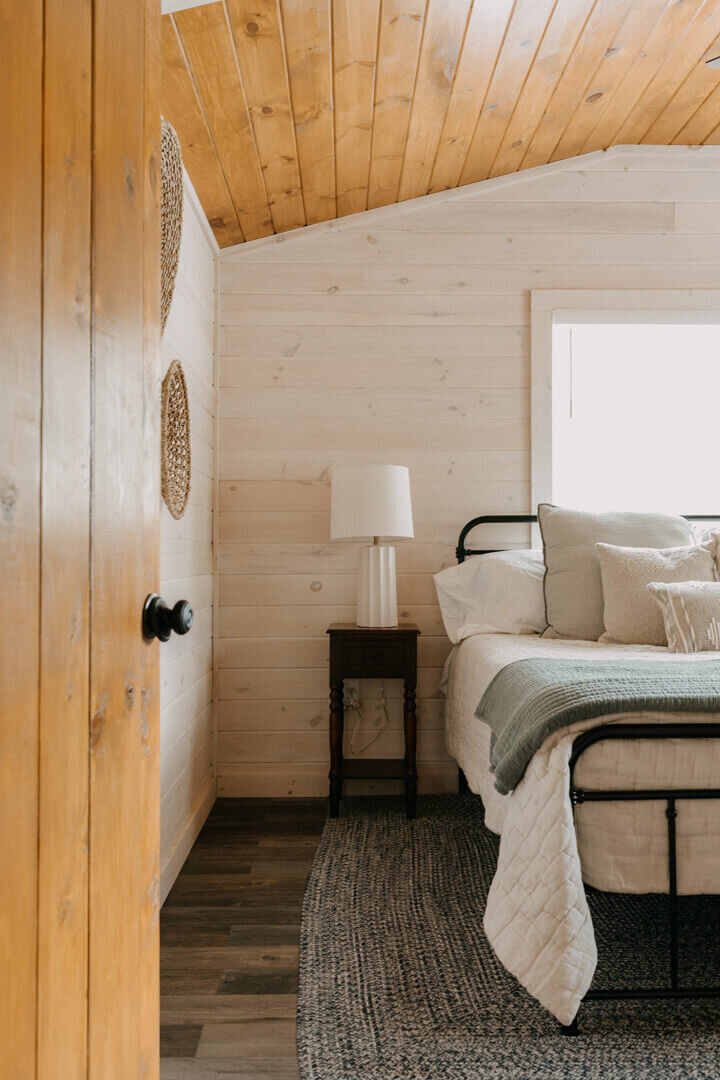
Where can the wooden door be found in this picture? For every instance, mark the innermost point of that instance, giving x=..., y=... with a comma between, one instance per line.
x=79, y=513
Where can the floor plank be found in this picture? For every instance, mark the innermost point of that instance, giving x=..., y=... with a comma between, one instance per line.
x=233, y=1009
x=229, y=934
x=254, y=1038
x=229, y=1069
x=232, y=957
x=258, y=982
x=179, y=1040
x=260, y=934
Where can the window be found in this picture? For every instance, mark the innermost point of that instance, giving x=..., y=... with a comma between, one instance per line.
x=626, y=400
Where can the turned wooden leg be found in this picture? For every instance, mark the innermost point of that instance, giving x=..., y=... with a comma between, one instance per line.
x=337, y=718
x=410, y=750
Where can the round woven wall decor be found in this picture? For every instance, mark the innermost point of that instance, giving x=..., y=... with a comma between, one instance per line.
x=171, y=215
x=175, y=450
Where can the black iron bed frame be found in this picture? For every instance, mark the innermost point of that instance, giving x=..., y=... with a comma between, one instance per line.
x=670, y=796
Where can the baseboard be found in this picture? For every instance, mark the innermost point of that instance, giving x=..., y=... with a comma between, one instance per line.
x=280, y=780
x=172, y=864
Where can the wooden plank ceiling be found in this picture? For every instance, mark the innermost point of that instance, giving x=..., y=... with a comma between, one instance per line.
x=292, y=112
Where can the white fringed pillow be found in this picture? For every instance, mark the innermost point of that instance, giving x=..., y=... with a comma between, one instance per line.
x=631, y=615
x=691, y=614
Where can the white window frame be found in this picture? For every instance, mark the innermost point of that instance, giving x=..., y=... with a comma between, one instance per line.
x=549, y=306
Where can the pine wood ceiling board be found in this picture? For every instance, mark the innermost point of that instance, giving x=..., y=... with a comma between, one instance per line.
x=355, y=41
x=261, y=55
x=485, y=32
x=654, y=50
x=563, y=31
x=683, y=106
x=713, y=139
x=608, y=76
x=703, y=123
x=530, y=19
x=401, y=26
x=208, y=44
x=445, y=26
x=687, y=52
x=600, y=31
x=180, y=105
x=308, y=47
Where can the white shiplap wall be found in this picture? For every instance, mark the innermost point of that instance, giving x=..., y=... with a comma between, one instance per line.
x=402, y=336
x=186, y=561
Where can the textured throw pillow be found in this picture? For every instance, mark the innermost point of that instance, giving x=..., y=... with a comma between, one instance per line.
x=631, y=614
x=691, y=614
x=573, y=589
x=499, y=593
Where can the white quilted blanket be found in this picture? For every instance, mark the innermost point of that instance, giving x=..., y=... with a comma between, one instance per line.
x=537, y=918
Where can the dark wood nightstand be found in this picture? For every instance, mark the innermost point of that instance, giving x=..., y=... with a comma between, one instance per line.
x=359, y=652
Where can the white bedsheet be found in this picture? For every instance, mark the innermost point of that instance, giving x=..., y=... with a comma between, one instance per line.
x=537, y=917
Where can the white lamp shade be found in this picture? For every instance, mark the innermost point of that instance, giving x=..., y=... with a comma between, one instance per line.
x=371, y=500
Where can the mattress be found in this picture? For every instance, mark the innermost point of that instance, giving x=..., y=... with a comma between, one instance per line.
x=622, y=846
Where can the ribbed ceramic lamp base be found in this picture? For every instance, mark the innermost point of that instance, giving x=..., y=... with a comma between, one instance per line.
x=377, y=594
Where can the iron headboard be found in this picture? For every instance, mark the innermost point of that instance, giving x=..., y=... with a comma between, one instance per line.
x=462, y=552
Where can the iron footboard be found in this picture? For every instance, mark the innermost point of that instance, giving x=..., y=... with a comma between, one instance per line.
x=671, y=796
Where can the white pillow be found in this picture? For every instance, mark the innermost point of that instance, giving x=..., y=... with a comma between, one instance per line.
x=499, y=593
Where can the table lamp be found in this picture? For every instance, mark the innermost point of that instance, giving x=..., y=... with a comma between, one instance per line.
x=373, y=501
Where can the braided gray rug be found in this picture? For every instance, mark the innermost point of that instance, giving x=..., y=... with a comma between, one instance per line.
x=398, y=982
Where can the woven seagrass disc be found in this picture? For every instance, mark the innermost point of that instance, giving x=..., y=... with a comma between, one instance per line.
x=175, y=448
x=171, y=216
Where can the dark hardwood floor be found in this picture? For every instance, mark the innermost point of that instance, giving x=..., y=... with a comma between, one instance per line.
x=229, y=933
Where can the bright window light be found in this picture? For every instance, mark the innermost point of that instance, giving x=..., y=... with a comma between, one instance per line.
x=635, y=415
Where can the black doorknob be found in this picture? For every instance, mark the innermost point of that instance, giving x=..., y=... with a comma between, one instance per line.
x=159, y=620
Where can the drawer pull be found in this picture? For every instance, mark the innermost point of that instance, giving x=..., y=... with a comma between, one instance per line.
x=372, y=656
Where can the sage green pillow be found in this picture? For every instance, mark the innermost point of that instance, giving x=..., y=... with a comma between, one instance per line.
x=573, y=586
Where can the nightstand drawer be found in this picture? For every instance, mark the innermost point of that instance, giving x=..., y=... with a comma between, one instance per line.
x=374, y=660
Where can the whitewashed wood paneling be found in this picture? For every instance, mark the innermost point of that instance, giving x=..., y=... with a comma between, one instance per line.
x=186, y=562
x=401, y=335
